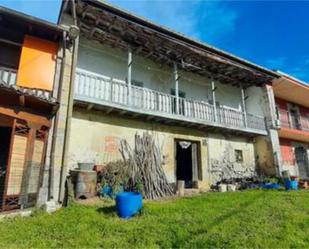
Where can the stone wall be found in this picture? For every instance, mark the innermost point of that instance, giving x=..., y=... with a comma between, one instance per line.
x=230, y=157
x=95, y=138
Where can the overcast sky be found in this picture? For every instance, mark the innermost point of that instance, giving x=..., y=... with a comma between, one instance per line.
x=272, y=34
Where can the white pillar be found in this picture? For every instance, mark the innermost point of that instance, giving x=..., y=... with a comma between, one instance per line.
x=176, y=77
x=243, y=105
x=129, y=75
x=213, y=89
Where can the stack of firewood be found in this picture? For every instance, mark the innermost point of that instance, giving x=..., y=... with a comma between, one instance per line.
x=145, y=166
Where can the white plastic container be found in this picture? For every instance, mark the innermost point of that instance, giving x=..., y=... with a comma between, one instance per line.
x=222, y=188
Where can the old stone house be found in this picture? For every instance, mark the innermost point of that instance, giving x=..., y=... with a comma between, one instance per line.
x=211, y=112
x=70, y=92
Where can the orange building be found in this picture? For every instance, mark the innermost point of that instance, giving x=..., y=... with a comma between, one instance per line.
x=292, y=107
x=32, y=69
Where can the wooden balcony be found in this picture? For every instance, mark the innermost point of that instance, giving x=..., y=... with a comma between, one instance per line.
x=298, y=122
x=294, y=128
x=8, y=77
x=95, y=89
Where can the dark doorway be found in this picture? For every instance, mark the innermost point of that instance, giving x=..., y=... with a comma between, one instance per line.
x=302, y=162
x=187, y=163
x=5, y=135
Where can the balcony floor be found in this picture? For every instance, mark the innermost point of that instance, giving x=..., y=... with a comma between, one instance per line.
x=113, y=109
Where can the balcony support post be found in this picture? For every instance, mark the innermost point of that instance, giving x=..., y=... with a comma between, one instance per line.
x=129, y=77
x=243, y=105
x=176, y=77
x=213, y=90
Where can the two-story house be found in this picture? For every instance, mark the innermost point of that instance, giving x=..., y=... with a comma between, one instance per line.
x=35, y=65
x=209, y=110
x=292, y=105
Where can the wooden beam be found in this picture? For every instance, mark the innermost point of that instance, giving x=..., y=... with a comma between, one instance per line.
x=109, y=110
x=89, y=107
x=17, y=113
x=22, y=100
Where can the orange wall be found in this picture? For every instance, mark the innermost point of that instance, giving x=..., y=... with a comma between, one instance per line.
x=37, y=64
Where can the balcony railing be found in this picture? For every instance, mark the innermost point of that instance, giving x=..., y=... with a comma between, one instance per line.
x=9, y=75
x=293, y=122
x=98, y=89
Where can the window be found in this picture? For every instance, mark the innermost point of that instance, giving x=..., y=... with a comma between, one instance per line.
x=180, y=93
x=137, y=83
x=9, y=55
x=238, y=156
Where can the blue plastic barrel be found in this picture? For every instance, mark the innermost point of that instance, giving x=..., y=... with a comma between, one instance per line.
x=128, y=204
x=291, y=184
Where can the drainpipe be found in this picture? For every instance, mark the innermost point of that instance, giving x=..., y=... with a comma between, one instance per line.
x=55, y=126
x=69, y=111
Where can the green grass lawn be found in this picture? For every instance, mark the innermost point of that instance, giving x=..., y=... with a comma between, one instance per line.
x=265, y=219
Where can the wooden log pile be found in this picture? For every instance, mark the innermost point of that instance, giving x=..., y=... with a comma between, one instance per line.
x=145, y=166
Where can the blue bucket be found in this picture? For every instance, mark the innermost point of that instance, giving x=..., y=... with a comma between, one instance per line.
x=128, y=204
x=291, y=184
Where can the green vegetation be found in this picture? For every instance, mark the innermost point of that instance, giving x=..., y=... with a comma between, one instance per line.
x=263, y=219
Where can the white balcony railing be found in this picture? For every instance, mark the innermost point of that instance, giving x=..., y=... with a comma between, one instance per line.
x=95, y=88
x=9, y=75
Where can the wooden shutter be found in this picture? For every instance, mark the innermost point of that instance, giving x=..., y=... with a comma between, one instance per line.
x=194, y=162
x=37, y=64
x=37, y=161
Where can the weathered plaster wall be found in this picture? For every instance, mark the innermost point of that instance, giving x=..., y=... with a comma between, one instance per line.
x=222, y=159
x=95, y=138
x=269, y=162
x=264, y=156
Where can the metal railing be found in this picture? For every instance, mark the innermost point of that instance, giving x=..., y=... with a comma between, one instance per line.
x=95, y=88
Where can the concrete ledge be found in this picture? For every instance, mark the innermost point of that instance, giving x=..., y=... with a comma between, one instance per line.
x=15, y=213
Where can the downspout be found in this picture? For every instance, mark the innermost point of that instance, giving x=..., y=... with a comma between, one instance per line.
x=69, y=111
x=56, y=121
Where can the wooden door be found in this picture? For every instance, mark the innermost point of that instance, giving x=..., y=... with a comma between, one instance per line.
x=25, y=166
x=16, y=164
x=302, y=162
x=36, y=168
